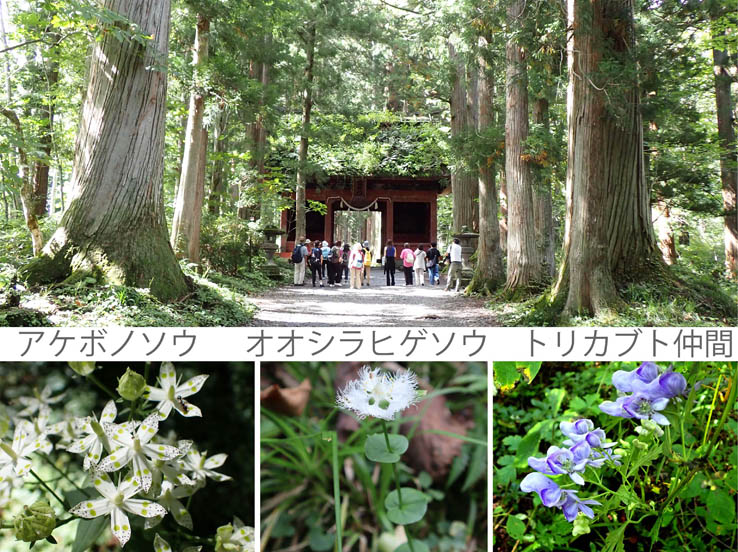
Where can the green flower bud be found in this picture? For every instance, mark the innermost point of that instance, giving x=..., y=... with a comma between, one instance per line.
x=639, y=444
x=223, y=539
x=581, y=525
x=36, y=522
x=83, y=368
x=131, y=385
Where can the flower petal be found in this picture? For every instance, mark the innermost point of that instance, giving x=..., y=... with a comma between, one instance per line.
x=160, y=545
x=89, y=509
x=191, y=386
x=144, y=508
x=215, y=461
x=120, y=526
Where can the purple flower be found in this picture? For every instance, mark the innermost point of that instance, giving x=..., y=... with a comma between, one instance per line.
x=615, y=408
x=559, y=461
x=628, y=382
x=642, y=407
x=598, y=458
x=549, y=491
x=583, y=430
x=571, y=505
x=672, y=384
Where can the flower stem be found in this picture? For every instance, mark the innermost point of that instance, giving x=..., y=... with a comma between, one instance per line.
x=49, y=489
x=336, y=490
x=64, y=475
x=397, y=483
x=386, y=436
x=101, y=385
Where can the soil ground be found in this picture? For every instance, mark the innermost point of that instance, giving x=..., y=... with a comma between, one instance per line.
x=374, y=305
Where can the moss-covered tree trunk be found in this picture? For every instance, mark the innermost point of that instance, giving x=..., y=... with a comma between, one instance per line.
x=464, y=184
x=728, y=159
x=187, y=219
x=302, y=154
x=524, y=263
x=115, y=225
x=489, y=273
x=609, y=234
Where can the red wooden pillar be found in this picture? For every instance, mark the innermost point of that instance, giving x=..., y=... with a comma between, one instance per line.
x=390, y=222
x=328, y=222
x=433, y=219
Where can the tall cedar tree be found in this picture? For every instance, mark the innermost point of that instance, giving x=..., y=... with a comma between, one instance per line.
x=114, y=227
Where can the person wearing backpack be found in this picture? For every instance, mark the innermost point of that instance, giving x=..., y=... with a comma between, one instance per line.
x=299, y=256
x=334, y=264
x=316, y=263
x=325, y=253
x=431, y=261
x=408, y=260
x=345, y=261
x=419, y=265
x=388, y=261
x=367, y=264
x=356, y=265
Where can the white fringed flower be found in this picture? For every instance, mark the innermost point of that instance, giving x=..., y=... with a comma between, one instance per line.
x=379, y=394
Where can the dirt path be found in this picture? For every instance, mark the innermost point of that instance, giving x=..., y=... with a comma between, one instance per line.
x=376, y=305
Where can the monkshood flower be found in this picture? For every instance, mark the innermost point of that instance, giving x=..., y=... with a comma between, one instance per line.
x=554, y=496
x=172, y=393
x=379, y=394
x=137, y=450
x=117, y=501
x=14, y=456
x=560, y=461
x=583, y=430
x=638, y=406
x=646, y=380
x=598, y=457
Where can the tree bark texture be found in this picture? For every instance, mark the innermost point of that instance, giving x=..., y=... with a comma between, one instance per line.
x=217, y=185
x=542, y=201
x=307, y=108
x=185, y=237
x=489, y=273
x=464, y=185
x=42, y=165
x=665, y=232
x=728, y=159
x=524, y=262
x=114, y=227
x=26, y=190
x=609, y=234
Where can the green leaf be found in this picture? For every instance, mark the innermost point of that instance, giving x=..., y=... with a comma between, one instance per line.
x=376, y=449
x=720, y=506
x=505, y=475
x=414, y=506
x=528, y=446
x=614, y=540
x=731, y=479
x=418, y=546
x=506, y=375
x=515, y=528
x=577, y=403
x=320, y=541
x=512, y=441
x=477, y=467
x=88, y=531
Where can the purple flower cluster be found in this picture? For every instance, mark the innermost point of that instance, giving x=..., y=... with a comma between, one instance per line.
x=650, y=392
x=585, y=446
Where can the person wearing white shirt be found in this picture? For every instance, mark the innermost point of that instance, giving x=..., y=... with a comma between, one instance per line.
x=454, y=254
x=419, y=265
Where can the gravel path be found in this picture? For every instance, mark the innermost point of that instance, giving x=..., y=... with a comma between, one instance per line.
x=376, y=305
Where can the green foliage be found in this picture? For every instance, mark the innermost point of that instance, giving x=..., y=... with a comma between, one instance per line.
x=667, y=489
x=229, y=245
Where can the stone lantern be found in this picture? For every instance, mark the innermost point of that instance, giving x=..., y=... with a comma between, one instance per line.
x=269, y=246
x=468, y=242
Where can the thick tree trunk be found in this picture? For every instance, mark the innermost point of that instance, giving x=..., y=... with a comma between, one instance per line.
x=609, y=234
x=524, y=262
x=185, y=237
x=46, y=115
x=464, y=185
x=542, y=201
x=115, y=226
x=217, y=186
x=503, y=210
x=489, y=273
x=728, y=159
x=26, y=190
x=307, y=108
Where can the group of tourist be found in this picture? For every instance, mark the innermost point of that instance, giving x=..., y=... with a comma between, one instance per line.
x=342, y=262
x=332, y=263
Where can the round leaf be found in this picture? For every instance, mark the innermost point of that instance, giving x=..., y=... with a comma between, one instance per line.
x=414, y=505
x=515, y=527
x=418, y=546
x=376, y=449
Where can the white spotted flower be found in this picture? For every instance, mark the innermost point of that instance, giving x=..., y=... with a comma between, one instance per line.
x=172, y=393
x=14, y=456
x=379, y=394
x=39, y=400
x=138, y=450
x=96, y=438
x=160, y=545
x=170, y=499
x=235, y=537
x=117, y=501
x=203, y=467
